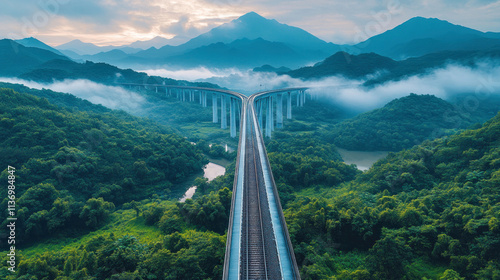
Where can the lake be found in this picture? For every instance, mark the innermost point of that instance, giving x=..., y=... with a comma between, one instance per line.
x=363, y=160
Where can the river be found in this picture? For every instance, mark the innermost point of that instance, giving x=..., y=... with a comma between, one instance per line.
x=210, y=171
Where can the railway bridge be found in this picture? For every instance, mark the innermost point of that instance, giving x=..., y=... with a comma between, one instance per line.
x=258, y=244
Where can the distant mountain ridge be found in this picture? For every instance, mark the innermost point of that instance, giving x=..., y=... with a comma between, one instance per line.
x=16, y=59
x=420, y=36
x=35, y=43
x=251, y=27
x=252, y=41
x=347, y=65
x=378, y=69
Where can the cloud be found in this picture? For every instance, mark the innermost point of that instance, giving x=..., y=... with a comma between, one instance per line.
x=447, y=82
x=182, y=26
x=122, y=22
x=108, y=96
x=189, y=74
x=478, y=83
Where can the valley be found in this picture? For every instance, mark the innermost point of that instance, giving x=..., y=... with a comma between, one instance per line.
x=384, y=153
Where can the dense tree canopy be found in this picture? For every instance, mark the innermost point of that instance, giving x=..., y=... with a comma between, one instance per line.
x=400, y=124
x=73, y=166
x=431, y=211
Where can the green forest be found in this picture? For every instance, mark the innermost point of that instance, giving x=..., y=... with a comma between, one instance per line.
x=408, y=121
x=95, y=199
x=430, y=212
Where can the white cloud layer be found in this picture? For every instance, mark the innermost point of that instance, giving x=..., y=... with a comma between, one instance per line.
x=108, y=96
x=446, y=82
x=480, y=82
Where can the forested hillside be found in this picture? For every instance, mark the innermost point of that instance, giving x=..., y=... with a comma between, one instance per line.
x=400, y=124
x=431, y=212
x=74, y=167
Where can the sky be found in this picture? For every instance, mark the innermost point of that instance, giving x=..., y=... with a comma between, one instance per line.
x=120, y=22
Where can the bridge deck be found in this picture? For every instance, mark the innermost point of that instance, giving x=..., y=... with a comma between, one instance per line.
x=259, y=255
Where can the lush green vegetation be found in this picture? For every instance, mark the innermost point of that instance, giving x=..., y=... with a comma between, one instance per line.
x=302, y=160
x=93, y=184
x=151, y=239
x=430, y=212
x=73, y=168
x=400, y=124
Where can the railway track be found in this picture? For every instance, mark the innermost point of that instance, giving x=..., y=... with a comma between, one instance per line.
x=259, y=258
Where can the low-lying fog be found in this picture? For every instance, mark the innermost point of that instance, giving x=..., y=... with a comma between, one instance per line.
x=480, y=82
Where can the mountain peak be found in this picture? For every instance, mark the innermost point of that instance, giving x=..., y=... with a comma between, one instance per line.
x=251, y=16
x=418, y=36
x=252, y=26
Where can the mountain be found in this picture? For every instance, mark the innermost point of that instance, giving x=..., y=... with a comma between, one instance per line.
x=156, y=42
x=243, y=53
x=379, y=69
x=35, y=43
x=16, y=58
x=109, y=56
x=400, y=124
x=419, y=36
x=250, y=27
x=350, y=66
x=253, y=26
x=81, y=48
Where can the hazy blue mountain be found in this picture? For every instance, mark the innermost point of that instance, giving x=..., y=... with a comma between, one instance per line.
x=380, y=69
x=81, y=48
x=71, y=54
x=157, y=42
x=35, y=43
x=243, y=53
x=253, y=26
x=109, y=57
x=419, y=36
x=345, y=64
x=16, y=58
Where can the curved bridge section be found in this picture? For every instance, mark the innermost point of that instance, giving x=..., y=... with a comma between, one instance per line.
x=258, y=244
x=226, y=99
x=271, y=104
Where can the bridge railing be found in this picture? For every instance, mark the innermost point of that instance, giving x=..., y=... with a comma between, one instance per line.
x=289, y=246
x=237, y=186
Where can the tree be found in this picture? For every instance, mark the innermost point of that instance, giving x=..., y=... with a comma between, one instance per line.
x=96, y=211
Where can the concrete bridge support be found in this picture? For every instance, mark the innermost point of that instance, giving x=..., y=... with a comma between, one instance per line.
x=223, y=112
x=232, y=121
x=269, y=114
x=271, y=100
x=214, y=108
x=279, y=111
x=260, y=109
x=289, y=106
x=204, y=99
